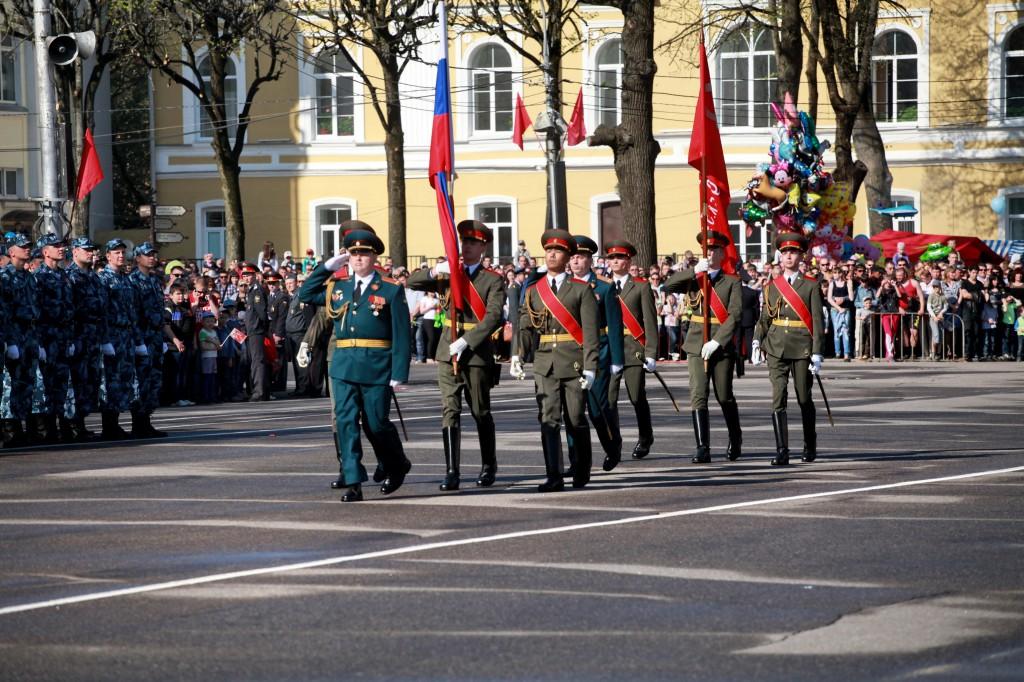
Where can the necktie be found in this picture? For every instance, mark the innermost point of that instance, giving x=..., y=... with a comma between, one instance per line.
x=358, y=291
x=554, y=285
x=618, y=286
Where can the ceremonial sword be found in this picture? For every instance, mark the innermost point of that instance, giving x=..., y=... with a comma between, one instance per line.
x=828, y=410
x=665, y=386
x=399, y=411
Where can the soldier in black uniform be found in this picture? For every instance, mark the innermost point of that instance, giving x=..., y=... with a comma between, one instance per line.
x=297, y=321
x=278, y=319
x=257, y=327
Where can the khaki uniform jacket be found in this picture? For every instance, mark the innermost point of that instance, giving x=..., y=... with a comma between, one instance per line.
x=639, y=298
x=491, y=287
x=562, y=359
x=728, y=288
x=791, y=342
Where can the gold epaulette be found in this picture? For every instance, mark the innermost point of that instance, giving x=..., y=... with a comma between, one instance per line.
x=606, y=280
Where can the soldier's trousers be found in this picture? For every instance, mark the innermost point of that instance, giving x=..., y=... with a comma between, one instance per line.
x=86, y=377
x=149, y=373
x=259, y=372
x=56, y=373
x=633, y=375
x=118, y=390
x=557, y=396
x=301, y=373
x=374, y=401
x=20, y=381
x=778, y=374
x=600, y=411
x=720, y=367
x=474, y=381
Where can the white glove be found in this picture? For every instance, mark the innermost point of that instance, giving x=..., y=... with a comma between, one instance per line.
x=302, y=356
x=107, y=348
x=755, y=352
x=42, y=354
x=13, y=352
x=71, y=350
x=587, y=379
x=701, y=266
x=816, y=364
x=616, y=370
x=444, y=267
x=163, y=349
x=649, y=364
x=394, y=382
x=709, y=348
x=335, y=262
x=517, y=368
x=457, y=346
x=141, y=350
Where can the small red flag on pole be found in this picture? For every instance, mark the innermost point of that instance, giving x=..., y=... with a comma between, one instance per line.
x=577, y=127
x=522, y=122
x=90, y=173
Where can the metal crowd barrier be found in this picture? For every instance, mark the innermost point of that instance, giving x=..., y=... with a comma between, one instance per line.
x=910, y=336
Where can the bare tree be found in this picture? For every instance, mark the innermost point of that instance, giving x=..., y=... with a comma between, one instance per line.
x=191, y=43
x=393, y=31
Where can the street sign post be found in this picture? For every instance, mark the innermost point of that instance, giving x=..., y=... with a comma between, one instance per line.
x=169, y=237
x=163, y=224
x=170, y=211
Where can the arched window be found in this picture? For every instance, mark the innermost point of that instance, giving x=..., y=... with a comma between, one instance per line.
x=894, y=77
x=746, y=77
x=230, y=98
x=8, y=70
x=491, y=78
x=1013, y=73
x=335, y=103
x=328, y=219
x=608, y=82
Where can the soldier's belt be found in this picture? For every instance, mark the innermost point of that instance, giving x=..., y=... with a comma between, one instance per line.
x=626, y=332
x=362, y=343
x=604, y=331
x=699, y=319
x=556, y=338
x=462, y=325
x=783, y=322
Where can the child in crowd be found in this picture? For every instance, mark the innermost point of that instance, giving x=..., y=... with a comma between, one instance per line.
x=179, y=317
x=990, y=314
x=209, y=347
x=864, y=336
x=1018, y=327
x=229, y=360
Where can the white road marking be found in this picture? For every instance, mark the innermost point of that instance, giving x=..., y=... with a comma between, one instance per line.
x=229, y=523
x=399, y=551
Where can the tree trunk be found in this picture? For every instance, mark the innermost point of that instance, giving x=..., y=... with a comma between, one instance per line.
x=231, y=188
x=394, y=146
x=789, y=50
x=871, y=150
x=811, y=72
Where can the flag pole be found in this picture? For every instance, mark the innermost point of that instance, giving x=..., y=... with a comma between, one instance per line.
x=706, y=286
x=453, y=317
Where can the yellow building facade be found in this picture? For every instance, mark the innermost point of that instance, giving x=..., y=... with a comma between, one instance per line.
x=16, y=135
x=949, y=96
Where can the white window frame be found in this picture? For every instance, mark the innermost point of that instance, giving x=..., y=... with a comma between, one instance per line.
x=490, y=199
x=894, y=60
x=919, y=29
x=313, y=233
x=715, y=68
x=999, y=28
x=192, y=114
x=13, y=50
x=307, y=97
x=465, y=128
x=764, y=254
x=596, y=202
x=595, y=34
x=915, y=197
x=1008, y=193
x=200, y=212
x=595, y=82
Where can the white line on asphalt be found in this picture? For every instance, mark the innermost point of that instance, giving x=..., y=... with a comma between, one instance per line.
x=398, y=551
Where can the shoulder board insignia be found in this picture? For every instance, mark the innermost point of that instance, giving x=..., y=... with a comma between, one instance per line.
x=729, y=274
x=640, y=280
x=811, y=278
x=493, y=272
x=342, y=273
x=381, y=269
x=580, y=280
x=606, y=280
x=389, y=280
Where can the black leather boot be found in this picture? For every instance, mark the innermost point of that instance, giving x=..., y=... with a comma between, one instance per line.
x=82, y=434
x=781, y=426
x=111, y=429
x=551, y=442
x=452, y=446
x=702, y=435
x=66, y=430
x=731, y=412
x=35, y=430
x=807, y=416
x=488, y=452
x=51, y=432
x=643, y=424
x=353, y=494
x=584, y=456
x=13, y=434
x=611, y=444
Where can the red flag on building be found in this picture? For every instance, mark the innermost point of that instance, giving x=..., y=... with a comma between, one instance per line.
x=707, y=157
x=90, y=173
x=577, y=127
x=522, y=122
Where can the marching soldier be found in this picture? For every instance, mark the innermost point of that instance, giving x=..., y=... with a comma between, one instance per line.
x=609, y=352
x=90, y=331
x=153, y=334
x=53, y=291
x=467, y=364
x=565, y=362
x=121, y=343
x=789, y=332
x=257, y=327
x=719, y=352
x=640, y=343
x=23, y=352
x=371, y=330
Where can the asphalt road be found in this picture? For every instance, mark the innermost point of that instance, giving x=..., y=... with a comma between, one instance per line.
x=220, y=552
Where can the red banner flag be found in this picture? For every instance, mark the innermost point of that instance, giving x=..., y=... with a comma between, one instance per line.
x=238, y=335
x=90, y=173
x=522, y=122
x=577, y=127
x=707, y=157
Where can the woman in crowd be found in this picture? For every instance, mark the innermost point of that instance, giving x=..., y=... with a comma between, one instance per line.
x=840, y=301
x=267, y=257
x=888, y=306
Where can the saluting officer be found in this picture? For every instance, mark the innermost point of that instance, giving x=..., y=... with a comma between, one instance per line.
x=726, y=306
x=609, y=352
x=257, y=327
x=23, y=353
x=53, y=289
x=565, y=362
x=153, y=333
x=371, y=347
x=473, y=350
x=90, y=331
x=640, y=344
x=789, y=332
x=123, y=338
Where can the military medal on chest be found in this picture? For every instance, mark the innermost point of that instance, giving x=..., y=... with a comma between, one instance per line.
x=376, y=304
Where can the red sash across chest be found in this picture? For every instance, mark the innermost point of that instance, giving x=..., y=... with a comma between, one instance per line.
x=717, y=306
x=794, y=301
x=476, y=303
x=632, y=324
x=558, y=310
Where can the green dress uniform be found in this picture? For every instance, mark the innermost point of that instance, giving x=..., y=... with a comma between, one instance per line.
x=476, y=370
x=371, y=350
x=559, y=364
x=638, y=299
x=722, y=362
x=788, y=345
x=609, y=352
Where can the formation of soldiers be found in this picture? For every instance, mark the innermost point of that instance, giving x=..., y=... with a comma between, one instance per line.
x=77, y=341
x=586, y=334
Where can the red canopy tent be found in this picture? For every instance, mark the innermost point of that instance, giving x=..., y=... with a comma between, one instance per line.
x=972, y=250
